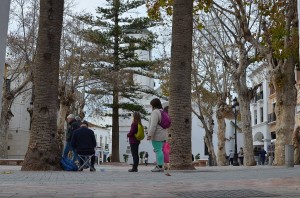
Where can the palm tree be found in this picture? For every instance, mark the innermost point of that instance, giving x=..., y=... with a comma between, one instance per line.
x=180, y=85
x=43, y=151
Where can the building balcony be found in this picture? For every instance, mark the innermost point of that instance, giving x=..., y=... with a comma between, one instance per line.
x=271, y=117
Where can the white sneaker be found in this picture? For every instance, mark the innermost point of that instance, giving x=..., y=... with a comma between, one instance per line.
x=157, y=169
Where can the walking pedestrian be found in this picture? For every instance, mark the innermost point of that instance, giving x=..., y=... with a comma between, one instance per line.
x=231, y=156
x=262, y=155
x=241, y=156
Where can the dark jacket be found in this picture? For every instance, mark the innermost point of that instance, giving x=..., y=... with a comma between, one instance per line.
x=133, y=130
x=83, y=139
x=73, y=125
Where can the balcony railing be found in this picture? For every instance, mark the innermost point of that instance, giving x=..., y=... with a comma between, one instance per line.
x=271, y=117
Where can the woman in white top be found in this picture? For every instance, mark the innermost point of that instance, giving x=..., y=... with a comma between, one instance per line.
x=157, y=134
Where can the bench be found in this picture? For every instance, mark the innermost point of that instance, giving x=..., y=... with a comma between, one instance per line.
x=202, y=162
x=11, y=161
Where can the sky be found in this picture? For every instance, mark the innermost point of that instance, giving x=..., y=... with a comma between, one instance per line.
x=89, y=6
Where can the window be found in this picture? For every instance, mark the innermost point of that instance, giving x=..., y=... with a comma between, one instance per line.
x=261, y=114
x=273, y=135
x=255, y=117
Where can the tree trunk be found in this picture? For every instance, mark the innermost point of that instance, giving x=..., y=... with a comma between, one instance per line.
x=283, y=80
x=247, y=130
x=115, y=128
x=180, y=90
x=6, y=114
x=295, y=139
x=115, y=106
x=222, y=161
x=245, y=96
x=43, y=151
x=5, y=117
x=208, y=138
x=61, y=120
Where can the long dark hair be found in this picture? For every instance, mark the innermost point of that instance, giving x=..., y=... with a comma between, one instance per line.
x=137, y=117
x=156, y=104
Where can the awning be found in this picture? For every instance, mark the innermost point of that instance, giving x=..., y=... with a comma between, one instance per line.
x=258, y=143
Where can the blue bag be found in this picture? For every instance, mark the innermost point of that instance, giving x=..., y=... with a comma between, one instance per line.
x=68, y=165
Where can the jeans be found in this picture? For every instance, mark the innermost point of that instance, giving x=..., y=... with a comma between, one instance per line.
x=157, y=145
x=241, y=160
x=135, y=155
x=68, y=148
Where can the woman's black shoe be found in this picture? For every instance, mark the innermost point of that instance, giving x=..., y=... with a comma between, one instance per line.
x=132, y=170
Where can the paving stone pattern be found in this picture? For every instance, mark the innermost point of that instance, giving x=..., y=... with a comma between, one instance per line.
x=115, y=181
x=244, y=193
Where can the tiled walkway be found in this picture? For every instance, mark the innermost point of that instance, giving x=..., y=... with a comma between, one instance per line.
x=116, y=181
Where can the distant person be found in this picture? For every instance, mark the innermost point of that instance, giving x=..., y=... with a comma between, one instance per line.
x=262, y=155
x=231, y=156
x=241, y=156
x=157, y=134
x=78, y=119
x=193, y=158
x=84, y=142
x=146, y=158
x=72, y=126
x=134, y=143
x=166, y=152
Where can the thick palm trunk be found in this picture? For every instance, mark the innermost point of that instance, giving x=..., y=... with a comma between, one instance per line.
x=43, y=151
x=222, y=161
x=180, y=90
x=284, y=83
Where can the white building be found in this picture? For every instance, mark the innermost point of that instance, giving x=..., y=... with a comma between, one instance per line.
x=259, y=108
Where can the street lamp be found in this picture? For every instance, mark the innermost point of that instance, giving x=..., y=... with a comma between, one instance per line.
x=235, y=108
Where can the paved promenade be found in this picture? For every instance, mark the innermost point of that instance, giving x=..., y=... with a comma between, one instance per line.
x=114, y=181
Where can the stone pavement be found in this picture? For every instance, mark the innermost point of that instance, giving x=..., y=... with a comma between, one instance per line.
x=115, y=181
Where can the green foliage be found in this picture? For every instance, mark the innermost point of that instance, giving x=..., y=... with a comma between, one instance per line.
x=197, y=157
x=154, y=7
x=142, y=154
x=125, y=156
x=114, y=68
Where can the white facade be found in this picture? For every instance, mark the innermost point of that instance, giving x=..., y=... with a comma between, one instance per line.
x=103, y=140
x=259, y=109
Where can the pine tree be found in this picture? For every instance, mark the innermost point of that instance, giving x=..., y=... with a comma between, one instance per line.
x=120, y=40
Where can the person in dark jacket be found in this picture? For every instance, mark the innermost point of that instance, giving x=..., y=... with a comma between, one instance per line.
x=84, y=142
x=72, y=126
x=134, y=143
x=262, y=155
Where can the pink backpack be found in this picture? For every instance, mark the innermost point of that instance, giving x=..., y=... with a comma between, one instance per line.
x=165, y=120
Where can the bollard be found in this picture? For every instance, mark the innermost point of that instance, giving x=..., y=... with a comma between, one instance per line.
x=289, y=155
